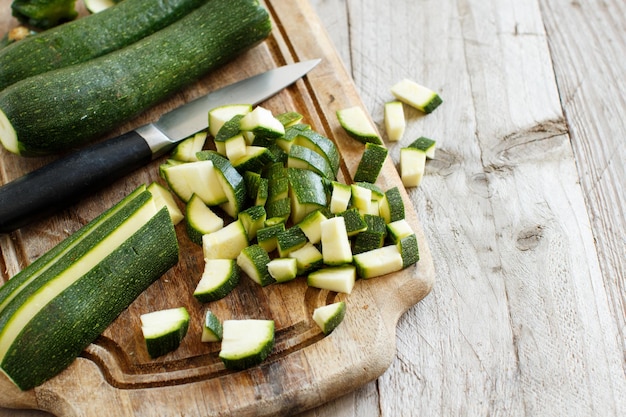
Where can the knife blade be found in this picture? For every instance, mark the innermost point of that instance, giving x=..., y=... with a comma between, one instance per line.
x=63, y=182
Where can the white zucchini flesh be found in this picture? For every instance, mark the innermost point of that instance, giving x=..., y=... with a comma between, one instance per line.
x=416, y=95
x=220, y=115
x=225, y=243
x=329, y=316
x=378, y=262
x=334, y=278
x=163, y=197
x=395, y=123
x=158, y=323
x=262, y=120
x=8, y=136
x=200, y=178
x=336, y=248
x=340, y=197
x=283, y=269
x=412, y=166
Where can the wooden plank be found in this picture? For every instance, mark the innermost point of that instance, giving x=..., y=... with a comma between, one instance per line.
x=527, y=317
x=305, y=369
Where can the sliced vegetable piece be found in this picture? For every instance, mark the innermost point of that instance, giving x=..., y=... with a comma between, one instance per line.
x=186, y=150
x=200, y=178
x=378, y=262
x=409, y=250
x=334, y=278
x=395, y=124
x=253, y=218
x=212, y=330
x=425, y=144
x=392, y=206
x=307, y=193
x=355, y=223
x=399, y=229
x=219, y=278
x=262, y=123
x=225, y=243
x=335, y=243
x=266, y=236
x=309, y=138
x=201, y=220
x=328, y=317
x=289, y=240
x=220, y=115
x=310, y=225
x=361, y=198
x=163, y=197
x=371, y=163
x=253, y=261
x=305, y=158
x=416, y=95
x=231, y=182
x=412, y=166
x=283, y=269
x=308, y=258
x=357, y=124
x=246, y=343
x=340, y=197
x=164, y=330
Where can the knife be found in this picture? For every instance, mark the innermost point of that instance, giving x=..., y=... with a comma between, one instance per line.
x=57, y=185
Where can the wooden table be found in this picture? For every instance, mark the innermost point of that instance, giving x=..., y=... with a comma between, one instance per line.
x=523, y=206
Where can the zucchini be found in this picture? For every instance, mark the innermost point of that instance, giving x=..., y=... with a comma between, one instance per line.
x=355, y=223
x=201, y=220
x=266, y=236
x=253, y=159
x=62, y=304
x=335, y=243
x=218, y=116
x=416, y=95
x=361, y=198
x=219, y=278
x=230, y=180
x=246, y=343
x=163, y=197
x=392, y=206
x=289, y=240
x=283, y=269
x=58, y=109
x=377, y=262
x=329, y=316
x=357, y=124
x=395, y=124
x=340, y=197
x=253, y=261
x=371, y=163
x=289, y=118
x=409, y=250
x=319, y=143
x=310, y=225
x=199, y=178
x=412, y=166
x=305, y=158
x=262, y=123
x=308, y=258
x=164, y=330
x=398, y=230
x=373, y=237
x=89, y=37
x=225, y=243
x=306, y=191
x=334, y=278
x=186, y=150
x=253, y=218
x=212, y=330
x=425, y=144
x=235, y=148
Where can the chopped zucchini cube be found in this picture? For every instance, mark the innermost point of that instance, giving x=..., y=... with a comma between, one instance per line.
x=246, y=343
x=219, y=278
x=412, y=166
x=212, y=330
x=164, y=330
x=334, y=278
x=308, y=258
x=336, y=248
x=253, y=261
x=416, y=95
x=394, y=120
x=378, y=262
x=283, y=269
x=225, y=243
x=371, y=163
x=329, y=316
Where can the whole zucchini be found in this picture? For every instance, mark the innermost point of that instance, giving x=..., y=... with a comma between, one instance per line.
x=89, y=37
x=55, y=110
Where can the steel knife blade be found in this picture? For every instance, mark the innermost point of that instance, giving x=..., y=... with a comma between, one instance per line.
x=63, y=182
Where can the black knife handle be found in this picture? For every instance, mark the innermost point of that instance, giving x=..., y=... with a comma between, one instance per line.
x=59, y=184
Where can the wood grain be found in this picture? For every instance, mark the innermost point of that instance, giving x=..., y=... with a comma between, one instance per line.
x=305, y=368
x=523, y=206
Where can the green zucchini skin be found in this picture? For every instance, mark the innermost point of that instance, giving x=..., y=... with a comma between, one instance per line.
x=53, y=111
x=78, y=315
x=89, y=37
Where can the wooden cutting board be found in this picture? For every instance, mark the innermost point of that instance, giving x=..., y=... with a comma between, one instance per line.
x=305, y=369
